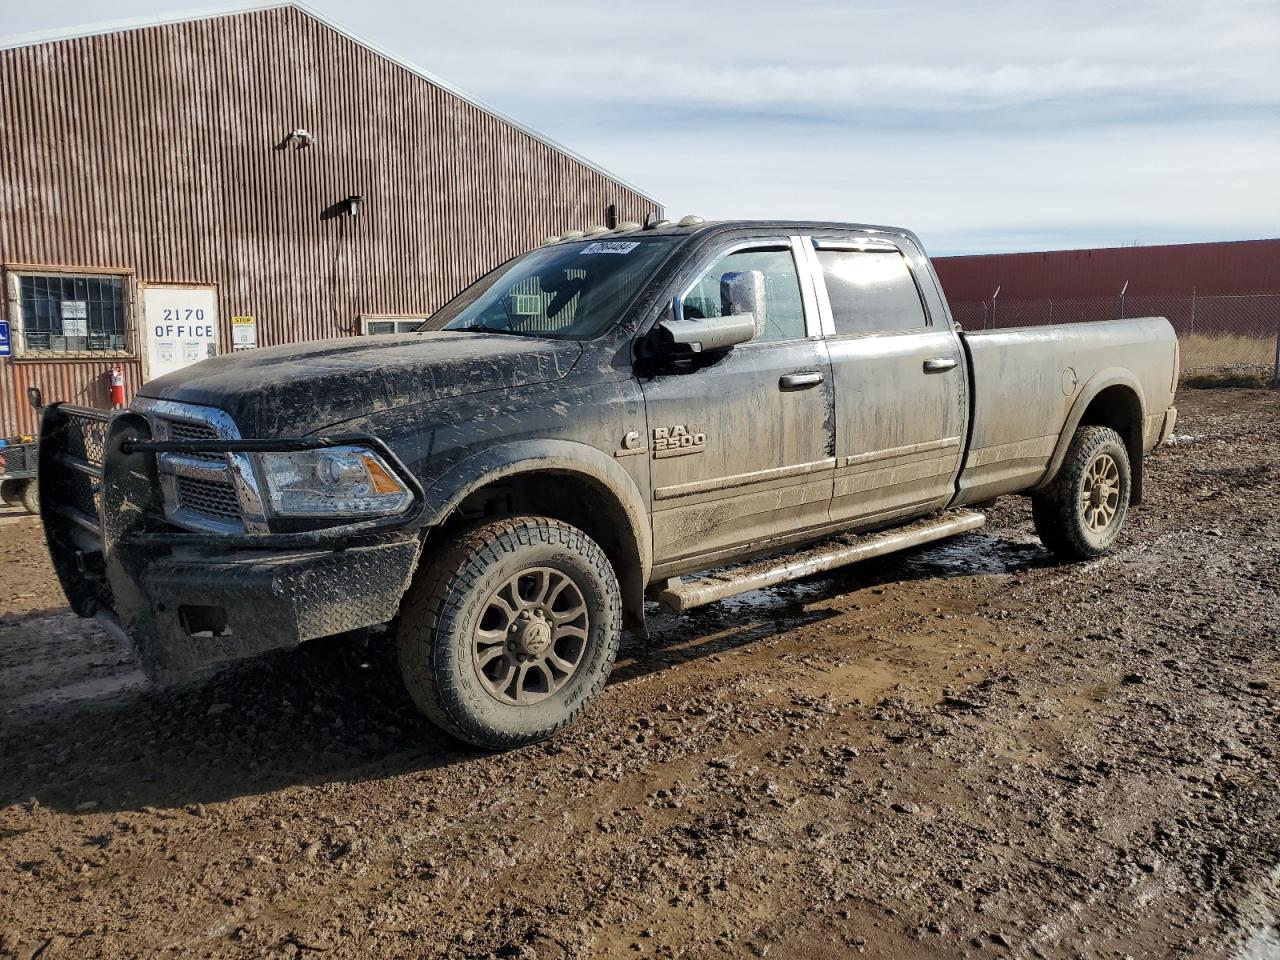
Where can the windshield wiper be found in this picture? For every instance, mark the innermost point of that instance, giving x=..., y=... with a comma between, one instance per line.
x=485, y=328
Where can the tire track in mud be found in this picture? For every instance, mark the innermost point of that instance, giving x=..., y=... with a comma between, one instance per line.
x=962, y=751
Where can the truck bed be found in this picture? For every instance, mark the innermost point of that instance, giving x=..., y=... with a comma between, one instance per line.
x=1030, y=386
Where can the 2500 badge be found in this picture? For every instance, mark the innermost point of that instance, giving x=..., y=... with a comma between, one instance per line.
x=677, y=441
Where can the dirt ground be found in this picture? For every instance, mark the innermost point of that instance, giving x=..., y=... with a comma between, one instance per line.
x=967, y=751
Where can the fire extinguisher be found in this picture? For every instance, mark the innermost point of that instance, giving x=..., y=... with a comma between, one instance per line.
x=117, y=386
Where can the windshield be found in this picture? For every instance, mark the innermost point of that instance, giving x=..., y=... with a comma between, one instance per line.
x=569, y=291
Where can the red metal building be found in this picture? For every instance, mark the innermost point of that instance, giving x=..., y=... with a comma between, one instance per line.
x=1246, y=266
x=1204, y=289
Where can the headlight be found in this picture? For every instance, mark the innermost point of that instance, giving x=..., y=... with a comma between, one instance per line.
x=332, y=481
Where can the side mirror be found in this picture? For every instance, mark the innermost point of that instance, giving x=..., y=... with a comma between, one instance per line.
x=35, y=397
x=683, y=338
x=742, y=302
x=742, y=294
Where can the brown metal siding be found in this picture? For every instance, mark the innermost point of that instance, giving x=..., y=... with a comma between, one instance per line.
x=1249, y=266
x=155, y=150
x=83, y=382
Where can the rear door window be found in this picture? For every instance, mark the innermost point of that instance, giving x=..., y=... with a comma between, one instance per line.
x=871, y=291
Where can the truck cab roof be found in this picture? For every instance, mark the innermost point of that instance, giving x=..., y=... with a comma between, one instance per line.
x=705, y=229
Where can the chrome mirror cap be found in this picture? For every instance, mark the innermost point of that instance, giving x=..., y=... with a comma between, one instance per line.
x=706, y=335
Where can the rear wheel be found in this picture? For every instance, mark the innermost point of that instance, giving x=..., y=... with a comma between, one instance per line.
x=1080, y=515
x=507, y=635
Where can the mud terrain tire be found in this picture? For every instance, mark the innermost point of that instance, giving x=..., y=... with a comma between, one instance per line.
x=463, y=596
x=1081, y=513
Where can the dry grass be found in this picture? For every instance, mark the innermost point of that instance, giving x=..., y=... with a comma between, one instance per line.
x=1227, y=361
x=1227, y=351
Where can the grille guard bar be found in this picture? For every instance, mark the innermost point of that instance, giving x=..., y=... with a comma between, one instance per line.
x=323, y=536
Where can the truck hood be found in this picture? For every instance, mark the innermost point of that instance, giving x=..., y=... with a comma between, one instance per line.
x=297, y=389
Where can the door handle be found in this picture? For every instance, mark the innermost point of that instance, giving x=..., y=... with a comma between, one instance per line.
x=940, y=364
x=800, y=381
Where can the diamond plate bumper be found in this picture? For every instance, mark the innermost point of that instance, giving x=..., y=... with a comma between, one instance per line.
x=186, y=615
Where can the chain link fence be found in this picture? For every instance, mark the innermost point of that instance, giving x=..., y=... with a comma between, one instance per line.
x=1225, y=339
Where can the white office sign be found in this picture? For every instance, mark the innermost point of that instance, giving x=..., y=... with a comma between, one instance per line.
x=180, y=327
x=75, y=318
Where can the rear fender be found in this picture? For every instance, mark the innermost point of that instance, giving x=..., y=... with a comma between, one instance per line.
x=1104, y=379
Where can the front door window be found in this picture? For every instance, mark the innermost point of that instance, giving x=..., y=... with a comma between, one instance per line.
x=784, y=308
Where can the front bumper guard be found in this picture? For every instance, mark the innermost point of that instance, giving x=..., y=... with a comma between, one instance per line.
x=187, y=600
x=200, y=612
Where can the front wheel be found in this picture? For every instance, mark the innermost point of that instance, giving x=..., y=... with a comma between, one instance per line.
x=508, y=634
x=1081, y=513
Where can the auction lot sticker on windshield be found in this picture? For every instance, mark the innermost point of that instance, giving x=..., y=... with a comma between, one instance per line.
x=611, y=246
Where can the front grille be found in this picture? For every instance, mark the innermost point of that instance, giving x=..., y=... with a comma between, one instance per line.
x=178, y=430
x=200, y=488
x=209, y=497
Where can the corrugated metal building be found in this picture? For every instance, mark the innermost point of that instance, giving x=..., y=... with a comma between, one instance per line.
x=1228, y=292
x=1247, y=266
x=163, y=179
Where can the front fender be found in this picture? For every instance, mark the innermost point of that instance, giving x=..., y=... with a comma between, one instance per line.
x=544, y=455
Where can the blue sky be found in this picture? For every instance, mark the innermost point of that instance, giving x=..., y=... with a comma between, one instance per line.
x=984, y=126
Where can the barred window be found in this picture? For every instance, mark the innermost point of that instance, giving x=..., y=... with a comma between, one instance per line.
x=73, y=313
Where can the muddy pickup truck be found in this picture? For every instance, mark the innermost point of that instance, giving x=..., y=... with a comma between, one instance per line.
x=679, y=412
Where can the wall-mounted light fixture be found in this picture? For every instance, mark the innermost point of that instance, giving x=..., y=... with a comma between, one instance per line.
x=350, y=207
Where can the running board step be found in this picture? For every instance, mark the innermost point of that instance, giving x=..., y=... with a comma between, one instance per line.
x=680, y=595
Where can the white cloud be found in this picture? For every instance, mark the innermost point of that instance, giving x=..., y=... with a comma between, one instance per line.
x=903, y=55
x=981, y=124
x=984, y=192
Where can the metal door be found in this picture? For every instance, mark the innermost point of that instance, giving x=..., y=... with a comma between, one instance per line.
x=899, y=379
x=741, y=449
x=179, y=326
